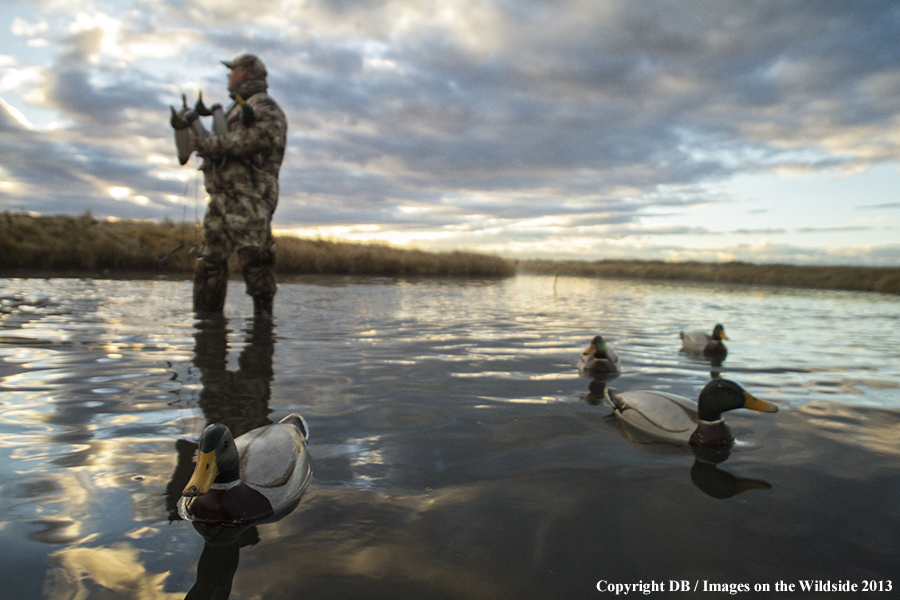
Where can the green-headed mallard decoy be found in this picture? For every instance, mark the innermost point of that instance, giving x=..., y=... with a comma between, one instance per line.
x=700, y=342
x=248, y=479
x=676, y=419
x=598, y=359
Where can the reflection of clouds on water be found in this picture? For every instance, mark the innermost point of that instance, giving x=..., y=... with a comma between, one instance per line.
x=55, y=530
x=352, y=538
x=875, y=429
x=77, y=571
x=59, y=504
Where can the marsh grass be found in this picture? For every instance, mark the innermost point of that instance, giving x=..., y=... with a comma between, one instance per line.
x=850, y=278
x=65, y=244
x=298, y=255
x=52, y=244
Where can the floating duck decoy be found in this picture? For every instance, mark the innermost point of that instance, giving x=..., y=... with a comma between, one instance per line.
x=598, y=359
x=676, y=419
x=700, y=342
x=259, y=475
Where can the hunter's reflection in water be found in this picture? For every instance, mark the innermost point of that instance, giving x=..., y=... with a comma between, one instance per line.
x=240, y=400
x=705, y=472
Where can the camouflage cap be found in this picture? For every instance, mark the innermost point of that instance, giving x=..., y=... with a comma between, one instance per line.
x=255, y=67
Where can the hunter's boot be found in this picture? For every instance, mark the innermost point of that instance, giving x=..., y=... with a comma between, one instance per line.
x=262, y=306
x=258, y=271
x=210, y=286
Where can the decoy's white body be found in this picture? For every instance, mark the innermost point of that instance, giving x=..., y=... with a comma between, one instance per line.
x=275, y=462
x=661, y=415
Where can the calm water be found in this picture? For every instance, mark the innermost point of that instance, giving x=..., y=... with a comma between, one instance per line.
x=456, y=452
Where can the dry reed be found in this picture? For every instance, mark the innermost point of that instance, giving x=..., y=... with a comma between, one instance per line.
x=64, y=244
x=53, y=244
x=850, y=278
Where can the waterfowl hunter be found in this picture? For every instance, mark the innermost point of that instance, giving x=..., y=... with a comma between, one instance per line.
x=676, y=419
x=249, y=479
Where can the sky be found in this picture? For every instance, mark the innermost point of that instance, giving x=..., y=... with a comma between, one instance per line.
x=713, y=130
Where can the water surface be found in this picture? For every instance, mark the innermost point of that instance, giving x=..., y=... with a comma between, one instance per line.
x=456, y=451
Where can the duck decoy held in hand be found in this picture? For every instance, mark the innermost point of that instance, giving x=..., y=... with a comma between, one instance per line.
x=219, y=125
x=248, y=479
x=598, y=359
x=671, y=418
x=181, y=120
x=700, y=342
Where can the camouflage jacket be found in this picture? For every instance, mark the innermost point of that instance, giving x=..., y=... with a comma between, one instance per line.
x=246, y=160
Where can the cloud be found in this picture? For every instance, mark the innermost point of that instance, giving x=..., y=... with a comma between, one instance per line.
x=881, y=206
x=769, y=231
x=832, y=229
x=408, y=116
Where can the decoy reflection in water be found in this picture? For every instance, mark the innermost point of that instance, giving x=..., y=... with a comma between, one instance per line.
x=671, y=418
x=596, y=389
x=598, y=359
x=715, y=482
x=702, y=343
x=219, y=562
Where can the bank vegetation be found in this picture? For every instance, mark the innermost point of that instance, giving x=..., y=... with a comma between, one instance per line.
x=849, y=278
x=83, y=245
x=86, y=245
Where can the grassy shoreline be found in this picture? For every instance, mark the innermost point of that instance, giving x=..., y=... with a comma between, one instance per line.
x=65, y=244
x=84, y=246
x=846, y=278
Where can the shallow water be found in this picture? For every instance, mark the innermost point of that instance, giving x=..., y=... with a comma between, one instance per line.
x=456, y=451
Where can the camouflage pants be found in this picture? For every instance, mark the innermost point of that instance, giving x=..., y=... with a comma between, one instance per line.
x=234, y=223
